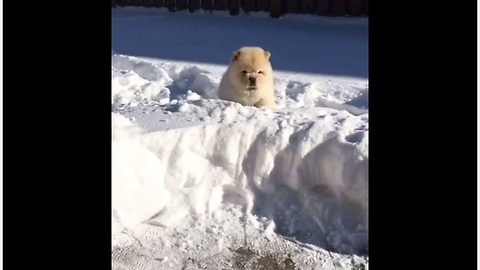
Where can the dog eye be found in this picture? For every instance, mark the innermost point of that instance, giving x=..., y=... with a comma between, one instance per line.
x=244, y=72
x=260, y=72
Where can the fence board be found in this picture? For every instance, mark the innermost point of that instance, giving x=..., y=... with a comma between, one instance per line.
x=219, y=5
x=365, y=7
x=292, y=6
x=136, y=3
x=158, y=3
x=255, y=4
x=234, y=7
x=147, y=3
x=307, y=6
x=337, y=7
x=171, y=5
x=182, y=4
x=262, y=5
x=275, y=8
x=193, y=5
x=283, y=7
x=123, y=3
x=354, y=7
x=207, y=4
x=248, y=5
x=322, y=7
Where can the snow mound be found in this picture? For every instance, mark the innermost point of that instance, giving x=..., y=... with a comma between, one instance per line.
x=182, y=158
x=136, y=82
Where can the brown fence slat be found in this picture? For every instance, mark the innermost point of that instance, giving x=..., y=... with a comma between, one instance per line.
x=307, y=6
x=337, y=7
x=158, y=3
x=365, y=7
x=292, y=6
x=182, y=4
x=256, y=5
x=147, y=3
x=283, y=7
x=262, y=5
x=323, y=7
x=193, y=5
x=248, y=5
x=354, y=7
x=219, y=5
x=234, y=7
x=136, y=3
x=275, y=8
x=171, y=5
x=207, y=4
x=123, y=3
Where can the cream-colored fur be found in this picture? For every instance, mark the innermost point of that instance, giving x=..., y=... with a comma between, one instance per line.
x=248, y=79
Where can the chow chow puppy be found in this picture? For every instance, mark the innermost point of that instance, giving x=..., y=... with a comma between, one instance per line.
x=248, y=79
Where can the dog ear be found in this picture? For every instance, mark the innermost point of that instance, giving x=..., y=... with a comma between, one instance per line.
x=267, y=55
x=235, y=55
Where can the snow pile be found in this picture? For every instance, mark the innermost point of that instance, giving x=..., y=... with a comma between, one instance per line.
x=184, y=159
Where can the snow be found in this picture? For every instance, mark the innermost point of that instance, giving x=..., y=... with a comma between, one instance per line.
x=200, y=183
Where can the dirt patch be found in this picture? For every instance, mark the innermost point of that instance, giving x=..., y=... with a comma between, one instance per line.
x=245, y=258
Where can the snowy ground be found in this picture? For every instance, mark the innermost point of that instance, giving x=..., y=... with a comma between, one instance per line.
x=200, y=183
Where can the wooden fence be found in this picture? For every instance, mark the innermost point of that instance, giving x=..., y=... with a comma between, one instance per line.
x=276, y=8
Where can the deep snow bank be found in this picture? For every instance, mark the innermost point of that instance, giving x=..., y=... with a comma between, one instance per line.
x=305, y=176
x=182, y=157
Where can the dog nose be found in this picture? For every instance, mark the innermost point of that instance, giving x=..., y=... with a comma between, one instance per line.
x=252, y=80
